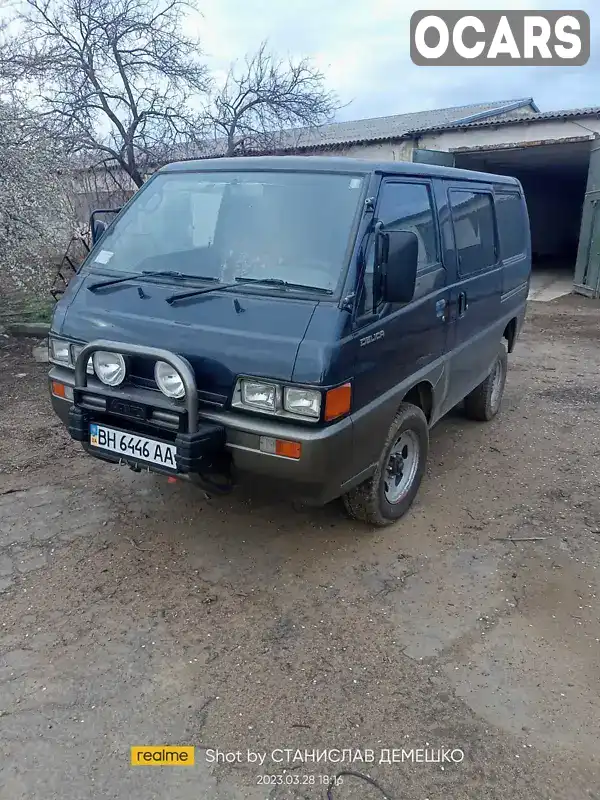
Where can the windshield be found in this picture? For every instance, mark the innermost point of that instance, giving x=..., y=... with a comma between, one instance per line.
x=290, y=226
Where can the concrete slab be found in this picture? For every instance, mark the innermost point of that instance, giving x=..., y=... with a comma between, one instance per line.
x=40, y=353
x=35, y=330
x=548, y=284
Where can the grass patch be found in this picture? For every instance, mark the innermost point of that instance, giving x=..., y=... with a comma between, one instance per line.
x=37, y=309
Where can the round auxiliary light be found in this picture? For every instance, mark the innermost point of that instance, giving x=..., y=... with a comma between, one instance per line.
x=109, y=367
x=169, y=381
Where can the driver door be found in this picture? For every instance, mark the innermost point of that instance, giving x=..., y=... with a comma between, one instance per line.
x=397, y=341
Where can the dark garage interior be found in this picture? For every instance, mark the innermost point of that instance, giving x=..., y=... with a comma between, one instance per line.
x=554, y=178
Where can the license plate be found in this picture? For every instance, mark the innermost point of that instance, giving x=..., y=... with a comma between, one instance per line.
x=131, y=445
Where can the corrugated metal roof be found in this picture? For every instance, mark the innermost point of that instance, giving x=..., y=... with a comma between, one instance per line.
x=392, y=127
x=567, y=114
x=338, y=134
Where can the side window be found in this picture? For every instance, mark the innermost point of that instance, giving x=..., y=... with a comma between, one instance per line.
x=474, y=230
x=511, y=224
x=403, y=207
x=407, y=207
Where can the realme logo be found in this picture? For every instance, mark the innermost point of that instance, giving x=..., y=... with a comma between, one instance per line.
x=162, y=756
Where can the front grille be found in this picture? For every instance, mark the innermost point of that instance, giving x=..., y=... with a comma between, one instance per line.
x=164, y=419
x=141, y=374
x=152, y=417
x=93, y=402
x=211, y=399
x=142, y=369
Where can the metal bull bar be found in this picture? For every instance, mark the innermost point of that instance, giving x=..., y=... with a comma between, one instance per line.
x=177, y=362
x=196, y=447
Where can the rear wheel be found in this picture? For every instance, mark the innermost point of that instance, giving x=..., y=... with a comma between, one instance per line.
x=483, y=403
x=390, y=492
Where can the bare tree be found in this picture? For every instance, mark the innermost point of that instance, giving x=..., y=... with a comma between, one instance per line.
x=36, y=219
x=263, y=97
x=4, y=58
x=116, y=78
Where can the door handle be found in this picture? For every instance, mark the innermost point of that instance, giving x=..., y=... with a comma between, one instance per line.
x=462, y=304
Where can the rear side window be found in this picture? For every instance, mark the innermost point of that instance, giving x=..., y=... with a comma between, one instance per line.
x=474, y=230
x=407, y=207
x=511, y=224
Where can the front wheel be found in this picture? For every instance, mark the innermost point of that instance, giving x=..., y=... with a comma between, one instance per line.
x=390, y=492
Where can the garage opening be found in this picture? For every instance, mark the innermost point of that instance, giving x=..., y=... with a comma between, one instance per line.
x=554, y=178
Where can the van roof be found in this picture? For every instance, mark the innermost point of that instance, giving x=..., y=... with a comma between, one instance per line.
x=333, y=164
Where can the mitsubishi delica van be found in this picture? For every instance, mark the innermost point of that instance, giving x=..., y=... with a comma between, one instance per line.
x=307, y=320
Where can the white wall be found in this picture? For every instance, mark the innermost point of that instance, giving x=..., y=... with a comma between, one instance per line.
x=386, y=151
x=510, y=135
x=399, y=150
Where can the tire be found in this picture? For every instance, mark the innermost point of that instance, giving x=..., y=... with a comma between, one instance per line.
x=370, y=502
x=484, y=402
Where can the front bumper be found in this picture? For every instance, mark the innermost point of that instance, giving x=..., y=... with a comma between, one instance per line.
x=318, y=476
x=196, y=452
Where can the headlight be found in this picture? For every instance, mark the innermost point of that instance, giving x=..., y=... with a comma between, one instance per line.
x=169, y=380
x=306, y=402
x=75, y=350
x=109, y=367
x=266, y=396
x=59, y=352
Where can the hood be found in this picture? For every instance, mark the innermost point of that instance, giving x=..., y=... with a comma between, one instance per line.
x=221, y=334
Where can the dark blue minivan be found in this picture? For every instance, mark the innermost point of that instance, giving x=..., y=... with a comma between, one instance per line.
x=305, y=319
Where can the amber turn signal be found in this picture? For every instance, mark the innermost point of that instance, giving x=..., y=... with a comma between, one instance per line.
x=58, y=390
x=280, y=447
x=288, y=449
x=338, y=401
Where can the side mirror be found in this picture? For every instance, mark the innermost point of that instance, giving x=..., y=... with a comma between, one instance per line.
x=381, y=245
x=98, y=229
x=98, y=226
x=400, y=266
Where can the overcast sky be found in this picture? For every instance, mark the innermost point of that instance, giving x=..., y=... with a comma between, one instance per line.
x=363, y=48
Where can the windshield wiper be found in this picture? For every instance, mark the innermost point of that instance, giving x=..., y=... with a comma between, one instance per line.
x=286, y=284
x=241, y=281
x=165, y=273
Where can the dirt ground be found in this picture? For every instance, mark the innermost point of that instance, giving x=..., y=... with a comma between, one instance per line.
x=138, y=612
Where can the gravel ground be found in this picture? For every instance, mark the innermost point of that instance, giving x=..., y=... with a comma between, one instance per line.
x=137, y=612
